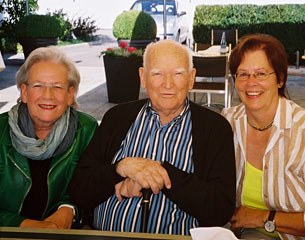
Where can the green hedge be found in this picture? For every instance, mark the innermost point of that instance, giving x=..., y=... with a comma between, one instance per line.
x=39, y=26
x=286, y=22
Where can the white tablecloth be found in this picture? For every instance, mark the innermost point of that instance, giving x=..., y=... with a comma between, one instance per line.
x=212, y=233
x=212, y=51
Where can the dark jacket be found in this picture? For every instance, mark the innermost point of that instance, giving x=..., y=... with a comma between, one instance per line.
x=208, y=194
x=15, y=175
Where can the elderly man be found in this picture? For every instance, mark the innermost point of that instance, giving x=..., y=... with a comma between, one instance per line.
x=180, y=150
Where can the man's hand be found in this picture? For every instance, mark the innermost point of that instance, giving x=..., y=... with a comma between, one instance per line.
x=63, y=218
x=145, y=172
x=127, y=188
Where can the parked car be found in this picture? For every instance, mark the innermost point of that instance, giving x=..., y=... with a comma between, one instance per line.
x=176, y=20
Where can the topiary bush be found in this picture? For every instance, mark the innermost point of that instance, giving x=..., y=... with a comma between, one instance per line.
x=134, y=24
x=35, y=31
x=39, y=26
x=64, y=22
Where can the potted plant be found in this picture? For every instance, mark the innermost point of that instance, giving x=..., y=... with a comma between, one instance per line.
x=122, y=74
x=137, y=28
x=35, y=31
x=133, y=30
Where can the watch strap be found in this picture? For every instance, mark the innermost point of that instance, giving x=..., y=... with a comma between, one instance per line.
x=271, y=215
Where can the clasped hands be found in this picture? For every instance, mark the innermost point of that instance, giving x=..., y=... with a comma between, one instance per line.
x=140, y=173
x=61, y=219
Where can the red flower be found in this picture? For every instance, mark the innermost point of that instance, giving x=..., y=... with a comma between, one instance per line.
x=131, y=49
x=123, y=50
x=123, y=44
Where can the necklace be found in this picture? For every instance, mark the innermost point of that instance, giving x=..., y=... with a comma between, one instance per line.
x=258, y=128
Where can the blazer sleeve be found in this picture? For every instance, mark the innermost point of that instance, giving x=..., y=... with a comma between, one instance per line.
x=94, y=177
x=208, y=194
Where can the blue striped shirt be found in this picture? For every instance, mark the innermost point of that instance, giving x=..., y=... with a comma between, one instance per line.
x=147, y=138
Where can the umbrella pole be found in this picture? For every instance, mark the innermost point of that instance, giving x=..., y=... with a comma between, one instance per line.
x=164, y=20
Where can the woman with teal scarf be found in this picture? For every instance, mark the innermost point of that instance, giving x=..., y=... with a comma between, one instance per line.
x=41, y=140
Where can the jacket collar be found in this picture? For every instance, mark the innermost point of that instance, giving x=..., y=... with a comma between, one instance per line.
x=283, y=110
x=5, y=135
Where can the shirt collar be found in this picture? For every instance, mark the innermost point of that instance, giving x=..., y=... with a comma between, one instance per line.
x=151, y=112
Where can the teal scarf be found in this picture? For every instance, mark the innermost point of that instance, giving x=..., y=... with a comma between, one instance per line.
x=24, y=139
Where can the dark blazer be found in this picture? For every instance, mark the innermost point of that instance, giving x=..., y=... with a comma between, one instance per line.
x=208, y=194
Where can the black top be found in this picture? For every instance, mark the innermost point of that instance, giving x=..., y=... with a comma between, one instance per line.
x=36, y=200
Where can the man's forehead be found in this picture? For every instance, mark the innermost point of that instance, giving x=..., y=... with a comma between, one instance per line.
x=179, y=69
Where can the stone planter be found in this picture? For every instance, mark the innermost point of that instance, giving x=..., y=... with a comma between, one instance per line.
x=122, y=78
x=29, y=44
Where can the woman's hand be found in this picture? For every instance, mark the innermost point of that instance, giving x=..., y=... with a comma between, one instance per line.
x=63, y=218
x=286, y=222
x=29, y=223
x=245, y=217
x=145, y=172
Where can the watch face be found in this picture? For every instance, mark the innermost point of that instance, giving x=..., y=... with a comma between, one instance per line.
x=270, y=226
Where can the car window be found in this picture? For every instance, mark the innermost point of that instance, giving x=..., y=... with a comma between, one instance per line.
x=155, y=7
x=137, y=6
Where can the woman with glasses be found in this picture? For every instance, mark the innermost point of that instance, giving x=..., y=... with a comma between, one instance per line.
x=269, y=137
x=41, y=139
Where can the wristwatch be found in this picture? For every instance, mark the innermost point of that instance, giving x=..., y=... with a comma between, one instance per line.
x=269, y=225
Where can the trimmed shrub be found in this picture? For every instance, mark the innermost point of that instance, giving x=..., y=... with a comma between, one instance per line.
x=133, y=24
x=285, y=22
x=39, y=26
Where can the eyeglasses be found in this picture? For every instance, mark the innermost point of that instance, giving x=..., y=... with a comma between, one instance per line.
x=244, y=76
x=39, y=87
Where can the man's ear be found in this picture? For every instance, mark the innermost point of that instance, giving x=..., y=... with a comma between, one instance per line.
x=192, y=78
x=142, y=77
